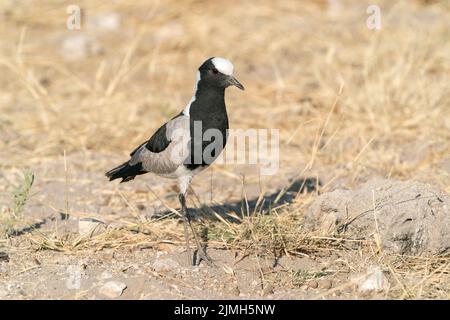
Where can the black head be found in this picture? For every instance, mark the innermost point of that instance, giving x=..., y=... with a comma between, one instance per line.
x=218, y=72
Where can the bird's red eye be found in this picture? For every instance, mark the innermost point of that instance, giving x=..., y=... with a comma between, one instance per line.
x=215, y=71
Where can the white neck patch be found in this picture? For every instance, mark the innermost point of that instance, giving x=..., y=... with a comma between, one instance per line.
x=188, y=106
x=223, y=65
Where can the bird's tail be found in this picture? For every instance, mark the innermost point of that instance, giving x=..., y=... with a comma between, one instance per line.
x=125, y=171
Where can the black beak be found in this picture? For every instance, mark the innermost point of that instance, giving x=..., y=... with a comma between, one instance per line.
x=233, y=81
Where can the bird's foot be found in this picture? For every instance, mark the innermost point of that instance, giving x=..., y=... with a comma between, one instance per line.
x=201, y=255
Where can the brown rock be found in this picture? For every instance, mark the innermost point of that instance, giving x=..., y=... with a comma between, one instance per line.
x=412, y=218
x=313, y=284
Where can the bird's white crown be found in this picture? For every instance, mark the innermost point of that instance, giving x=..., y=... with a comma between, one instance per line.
x=223, y=65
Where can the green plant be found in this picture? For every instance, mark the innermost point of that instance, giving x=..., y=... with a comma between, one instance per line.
x=21, y=193
x=10, y=219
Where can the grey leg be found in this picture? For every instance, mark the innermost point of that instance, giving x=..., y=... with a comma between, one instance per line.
x=186, y=232
x=200, y=252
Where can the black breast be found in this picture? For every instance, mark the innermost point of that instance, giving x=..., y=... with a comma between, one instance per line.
x=208, y=126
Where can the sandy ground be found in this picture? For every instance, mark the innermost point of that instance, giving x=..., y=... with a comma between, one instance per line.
x=352, y=104
x=149, y=272
x=149, y=269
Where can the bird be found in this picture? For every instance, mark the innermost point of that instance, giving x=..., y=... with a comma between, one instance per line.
x=189, y=142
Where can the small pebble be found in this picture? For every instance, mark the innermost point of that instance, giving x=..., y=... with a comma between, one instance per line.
x=3, y=293
x=268, y=289
x=235, y=291
x=113, y=289
x=44, y=81
x=313, y=284
x=325, y=284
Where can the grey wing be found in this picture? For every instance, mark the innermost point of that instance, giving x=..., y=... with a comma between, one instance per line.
x=166, y=161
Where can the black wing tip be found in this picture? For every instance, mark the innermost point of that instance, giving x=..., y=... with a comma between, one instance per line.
x=125, y=172
x=111, y=178
x=110, y=174
x=126, y=179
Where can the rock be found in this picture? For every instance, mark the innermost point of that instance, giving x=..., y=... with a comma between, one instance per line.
x=112, y=289
x=325, y=284
x=326, y=211
x=22, y=292
x=235, y=291
x=3, y=293
x=164, y=265
x=90, y=227
x=268, y=289
x=374, y=281
x=313, y=284
x=45, y=82
x=411, y=217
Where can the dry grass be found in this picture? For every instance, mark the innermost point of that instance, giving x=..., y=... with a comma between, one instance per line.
x=390, y=115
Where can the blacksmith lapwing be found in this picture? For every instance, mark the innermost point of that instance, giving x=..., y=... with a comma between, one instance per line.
x=189, y=142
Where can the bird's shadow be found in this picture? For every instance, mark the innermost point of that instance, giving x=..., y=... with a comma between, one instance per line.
x=235, y=211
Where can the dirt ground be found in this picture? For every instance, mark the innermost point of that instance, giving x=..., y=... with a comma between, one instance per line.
x=354, y=107
x=55, y=262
